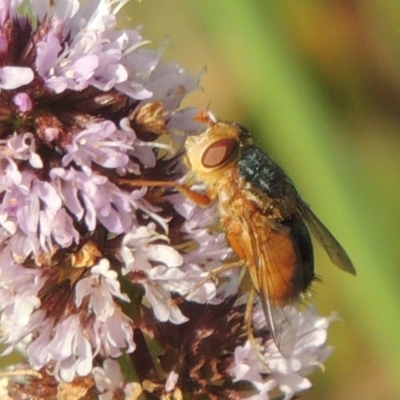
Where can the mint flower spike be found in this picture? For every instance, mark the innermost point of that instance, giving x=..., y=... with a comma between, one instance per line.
x=97, y=275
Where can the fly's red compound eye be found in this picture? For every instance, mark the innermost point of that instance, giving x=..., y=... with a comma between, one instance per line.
x=218, y=153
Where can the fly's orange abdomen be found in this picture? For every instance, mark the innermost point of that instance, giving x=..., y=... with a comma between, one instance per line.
x=275, y=254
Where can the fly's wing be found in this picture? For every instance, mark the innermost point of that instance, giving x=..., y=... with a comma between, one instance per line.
x=268, y=274
x=284, y=323
x=333, y=248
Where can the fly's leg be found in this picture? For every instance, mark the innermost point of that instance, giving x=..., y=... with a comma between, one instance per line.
x=249, y=322
x=22, y=372
x=211, y=276
x=198, y=198
x=249, y=329
x=248, y=318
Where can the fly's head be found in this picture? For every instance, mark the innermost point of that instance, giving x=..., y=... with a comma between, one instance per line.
x=215, y=151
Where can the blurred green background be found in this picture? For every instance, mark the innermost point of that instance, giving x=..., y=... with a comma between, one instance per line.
x=318, y=84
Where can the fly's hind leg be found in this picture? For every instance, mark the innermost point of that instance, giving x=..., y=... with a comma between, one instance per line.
x=248, y=317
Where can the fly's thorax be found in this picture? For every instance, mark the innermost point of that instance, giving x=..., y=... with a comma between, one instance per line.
x=262, y=172
x=268, y=182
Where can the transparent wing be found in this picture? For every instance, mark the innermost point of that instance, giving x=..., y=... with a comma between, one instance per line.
x=285, y=323
x=271, y=272
x=335, y=251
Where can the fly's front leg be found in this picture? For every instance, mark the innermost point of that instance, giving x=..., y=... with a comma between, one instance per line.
x=198, y=198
